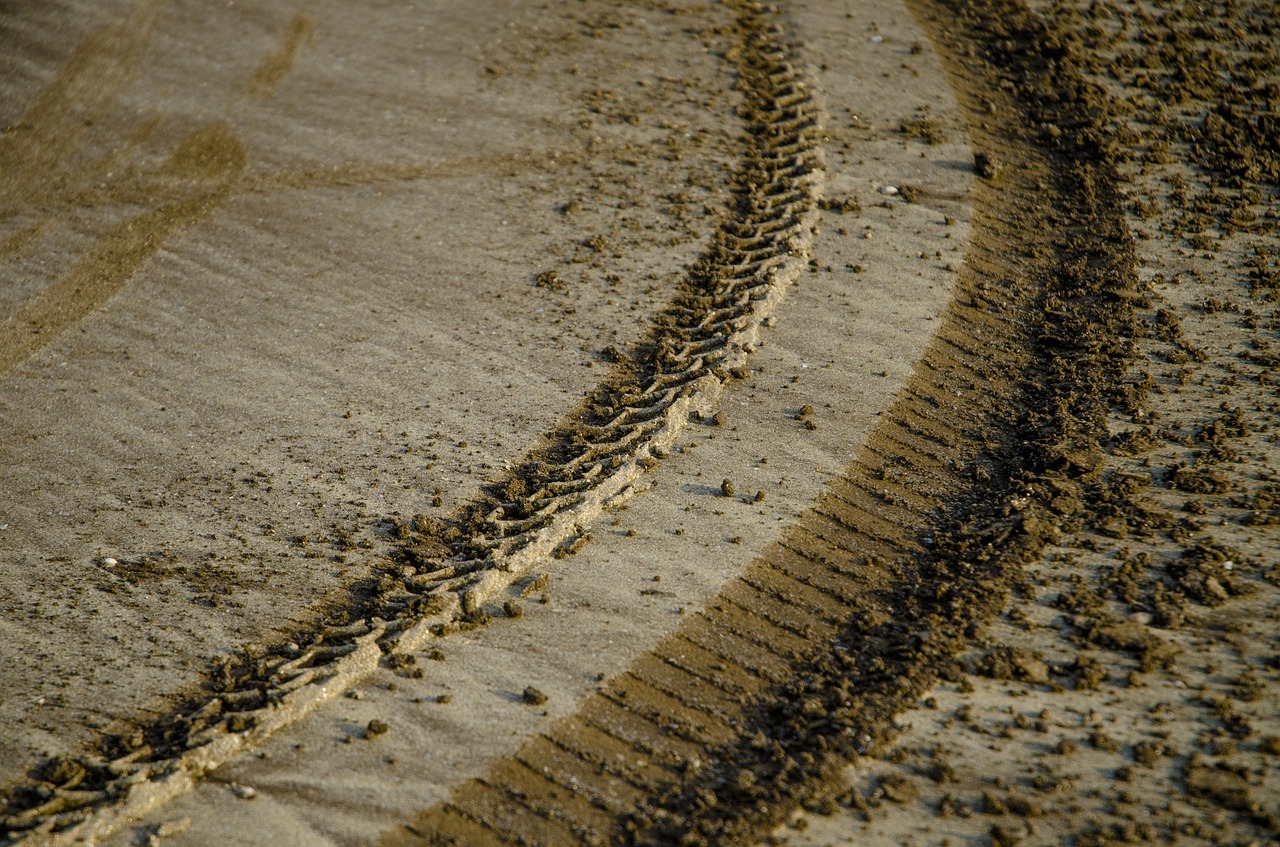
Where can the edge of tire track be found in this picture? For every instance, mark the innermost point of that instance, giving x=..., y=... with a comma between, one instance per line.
x=446, y=572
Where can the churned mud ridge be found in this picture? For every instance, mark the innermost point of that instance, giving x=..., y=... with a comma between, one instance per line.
x=800, y=665
x=447, y=572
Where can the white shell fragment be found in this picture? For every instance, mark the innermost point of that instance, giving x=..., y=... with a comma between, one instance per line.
x=889, y=191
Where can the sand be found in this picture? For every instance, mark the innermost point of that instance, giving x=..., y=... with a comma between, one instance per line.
x=299, y=299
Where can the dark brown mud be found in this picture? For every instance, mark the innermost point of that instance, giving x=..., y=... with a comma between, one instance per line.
x=800, y=665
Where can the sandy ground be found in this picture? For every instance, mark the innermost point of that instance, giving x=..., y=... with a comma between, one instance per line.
x=286, y=284
x=839, y=334
x=344, y=325
x=348, y=331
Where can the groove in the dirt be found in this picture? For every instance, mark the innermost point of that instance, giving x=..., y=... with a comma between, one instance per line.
x=749, y=625
x=811, y=572
x=527, y=819
x=692, y=691
x=584, y=742
x=766, y=644
x=1015, y=388
x=866, y=512
x=562, y=777
x=826, y=524
x=701, y=672
x=669, y=702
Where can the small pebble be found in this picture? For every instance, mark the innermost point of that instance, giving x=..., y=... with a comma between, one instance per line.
x=533, y=696
x=985, y=165
x=110, y=562
x=244, y=792
x=889, y=191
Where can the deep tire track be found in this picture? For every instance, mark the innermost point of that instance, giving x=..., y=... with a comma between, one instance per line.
x=871, y=592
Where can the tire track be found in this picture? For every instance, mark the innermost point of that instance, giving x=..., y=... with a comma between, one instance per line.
x=447, y=572
x=36, y=155
x=871, y=592
x=37, y=173
x=209, y=161
x=37, y=152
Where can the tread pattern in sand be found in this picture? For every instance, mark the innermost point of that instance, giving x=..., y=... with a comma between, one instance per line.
x=801, y=664
x=449, y=571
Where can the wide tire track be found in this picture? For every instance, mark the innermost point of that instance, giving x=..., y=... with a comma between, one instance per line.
x=806, y=658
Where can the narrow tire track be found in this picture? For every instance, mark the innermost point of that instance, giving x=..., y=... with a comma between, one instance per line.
x=446, y=572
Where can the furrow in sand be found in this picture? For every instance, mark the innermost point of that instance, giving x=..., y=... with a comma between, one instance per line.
x=690, y=689
x=874, y=516
x=806, y=606
x=767, y=606
x=562, y=807
x=470, y=829
x=730, y=679
x=832, y=518
x=906, y=438
x=555, y=766
x=743, y=620
x=642, y=728
x=731, y=650
x=848, y=637
x=829, y=555
x=667, y=708
x=611, y=758
x=670, y=730
x=526, y=821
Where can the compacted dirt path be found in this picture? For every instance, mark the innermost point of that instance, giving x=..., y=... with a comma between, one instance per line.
x=1064, y=495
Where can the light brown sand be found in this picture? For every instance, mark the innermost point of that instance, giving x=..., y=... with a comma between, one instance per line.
x=347, y=331
x=342, y=323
